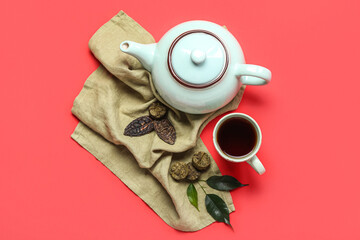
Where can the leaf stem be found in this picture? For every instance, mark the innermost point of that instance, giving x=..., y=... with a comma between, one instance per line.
x=202, y=187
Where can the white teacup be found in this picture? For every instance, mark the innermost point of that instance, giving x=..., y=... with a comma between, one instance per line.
x=237, y=138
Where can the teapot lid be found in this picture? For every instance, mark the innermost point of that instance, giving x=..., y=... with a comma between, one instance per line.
x=197, y=59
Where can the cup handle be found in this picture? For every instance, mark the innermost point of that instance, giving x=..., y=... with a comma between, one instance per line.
x=256, y=165
x=253, y=74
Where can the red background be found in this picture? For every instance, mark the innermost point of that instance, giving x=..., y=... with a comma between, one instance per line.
x=51, y=188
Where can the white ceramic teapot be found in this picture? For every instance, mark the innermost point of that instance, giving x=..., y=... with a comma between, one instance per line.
x=197, y=66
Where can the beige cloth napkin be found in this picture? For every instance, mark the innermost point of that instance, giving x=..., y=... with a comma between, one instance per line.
x=119, y=91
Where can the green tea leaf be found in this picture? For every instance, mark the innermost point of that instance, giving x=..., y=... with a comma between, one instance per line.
x=192, y=195
x=217, y=208
x=224, y=183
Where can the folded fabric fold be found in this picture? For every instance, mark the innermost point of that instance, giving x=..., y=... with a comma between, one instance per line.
x=121, y=90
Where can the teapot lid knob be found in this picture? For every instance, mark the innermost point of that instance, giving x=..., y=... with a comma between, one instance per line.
x=198, y=56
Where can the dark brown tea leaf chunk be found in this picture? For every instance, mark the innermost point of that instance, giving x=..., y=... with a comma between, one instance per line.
x=193, y=173
x=201, y=161
x=157, y=110
x=165, y=130
x=179, y=171
x=139, y=126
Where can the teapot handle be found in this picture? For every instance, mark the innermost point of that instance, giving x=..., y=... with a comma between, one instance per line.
x=250, y=74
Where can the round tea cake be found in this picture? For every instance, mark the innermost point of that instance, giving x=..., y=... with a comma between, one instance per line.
x=157, y=110
x=201, y=161
x=193, y=173
x=179, y=170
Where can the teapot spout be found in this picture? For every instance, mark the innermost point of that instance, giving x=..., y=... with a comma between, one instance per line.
x=143, y=52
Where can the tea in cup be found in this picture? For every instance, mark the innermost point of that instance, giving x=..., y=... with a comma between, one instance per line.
x=237, y=138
